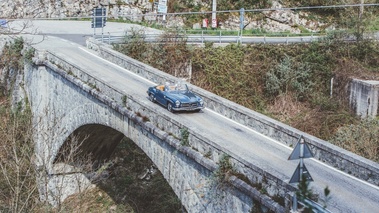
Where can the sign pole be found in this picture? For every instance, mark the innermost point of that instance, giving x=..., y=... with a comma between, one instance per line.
x=214, y=19
x=301, y=156
x=162, y=8
x=93, y=22
x=242, y=11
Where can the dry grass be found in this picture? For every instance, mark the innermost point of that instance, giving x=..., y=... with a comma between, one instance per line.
x=285, y=107
x=93, y=200
x=354, y=69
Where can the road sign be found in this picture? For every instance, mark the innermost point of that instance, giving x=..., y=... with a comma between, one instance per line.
x=214, y=23
x=99, y=17
x=3, y=23
x=301, y=172
x=99, y=11
x=163, y=2
x=301, y=150
x=162, y=8
x=205, y=23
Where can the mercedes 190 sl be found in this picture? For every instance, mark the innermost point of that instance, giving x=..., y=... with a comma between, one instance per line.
x=175, y=97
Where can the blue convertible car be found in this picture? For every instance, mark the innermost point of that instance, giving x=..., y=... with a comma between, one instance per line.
x=175, y=97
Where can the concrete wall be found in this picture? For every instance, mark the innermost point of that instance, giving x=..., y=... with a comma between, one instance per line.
x=364, y=97
x=324, y=151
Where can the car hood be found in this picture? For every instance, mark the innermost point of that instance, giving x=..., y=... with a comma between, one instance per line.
x=184, y=97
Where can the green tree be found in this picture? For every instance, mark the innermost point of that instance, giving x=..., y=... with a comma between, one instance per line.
x=288, y=77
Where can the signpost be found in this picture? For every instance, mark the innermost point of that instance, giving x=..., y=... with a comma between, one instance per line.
x=162, y=8
x=242, y=11
x=99, y=18
x=3, y=23
x=300, y=152
x=214, y=19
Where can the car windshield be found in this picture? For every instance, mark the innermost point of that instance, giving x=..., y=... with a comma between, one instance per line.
x=176, y=87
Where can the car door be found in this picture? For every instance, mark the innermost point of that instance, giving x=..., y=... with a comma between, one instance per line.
x=160, y=97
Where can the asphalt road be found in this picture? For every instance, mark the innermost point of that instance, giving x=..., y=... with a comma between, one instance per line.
x=348, y=193
x=75, y=31
x=78, y=31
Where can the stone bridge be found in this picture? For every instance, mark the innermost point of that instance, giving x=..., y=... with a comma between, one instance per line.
x=69, y=101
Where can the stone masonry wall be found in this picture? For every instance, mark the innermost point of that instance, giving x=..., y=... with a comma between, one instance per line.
x=324, y=151
x=201, y=152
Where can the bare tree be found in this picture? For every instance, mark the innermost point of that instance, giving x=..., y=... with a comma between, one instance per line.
x=18, y=190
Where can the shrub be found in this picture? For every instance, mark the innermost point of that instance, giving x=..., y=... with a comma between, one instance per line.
x=361, y=138
x=288, y=77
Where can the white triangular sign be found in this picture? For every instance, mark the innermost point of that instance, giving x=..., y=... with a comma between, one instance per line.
x=296, y=151
x=296, y=177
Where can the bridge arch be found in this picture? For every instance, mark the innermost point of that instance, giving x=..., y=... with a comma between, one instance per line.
x=93, y=140
x=70, y=105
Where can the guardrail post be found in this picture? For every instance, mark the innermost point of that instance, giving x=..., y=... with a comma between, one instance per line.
x=220, y=37
x=109, y=38
x=202, y=36
x=264, y=39
x=287, y=39
x=294, y=203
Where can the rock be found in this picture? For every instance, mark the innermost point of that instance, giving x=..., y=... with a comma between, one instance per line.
x=196, y=26
x=144, y=174
x=274, y=21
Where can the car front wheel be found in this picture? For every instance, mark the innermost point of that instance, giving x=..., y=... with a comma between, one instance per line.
x=151, y=97
x=169, y=107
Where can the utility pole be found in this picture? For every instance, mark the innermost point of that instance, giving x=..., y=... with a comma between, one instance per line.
x=360, y=22
x=361, y=9
x=214, y=19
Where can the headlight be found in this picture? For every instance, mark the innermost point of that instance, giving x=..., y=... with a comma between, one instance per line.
x=177, y=103
x=201, y=102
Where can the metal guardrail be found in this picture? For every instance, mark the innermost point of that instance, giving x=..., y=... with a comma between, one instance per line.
x=222, y=36
x=316, y=207
x=209, y=38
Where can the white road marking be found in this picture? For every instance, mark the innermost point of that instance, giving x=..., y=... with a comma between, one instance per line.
x=115, y=65
x=245, y=127
x=252, y=130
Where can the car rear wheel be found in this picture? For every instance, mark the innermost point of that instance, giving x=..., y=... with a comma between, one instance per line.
x=169, y=107
x=151, y=97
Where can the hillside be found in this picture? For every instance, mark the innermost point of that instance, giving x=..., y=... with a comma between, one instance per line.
x=259, y=17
